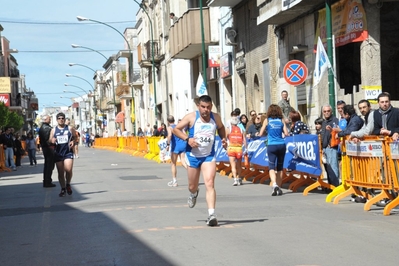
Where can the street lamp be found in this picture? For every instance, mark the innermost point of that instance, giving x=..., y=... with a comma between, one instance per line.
x=75, y=64
x=70, y=85
x=112, y=72
x=84, y=47
x=80, y=18
x=152, y=56
x=69, y=75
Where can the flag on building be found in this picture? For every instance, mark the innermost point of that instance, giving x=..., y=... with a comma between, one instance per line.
x=132, y=111
x=321, y=64
x=201, y=87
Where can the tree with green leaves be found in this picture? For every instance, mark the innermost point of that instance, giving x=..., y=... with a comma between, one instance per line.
x=9, y=118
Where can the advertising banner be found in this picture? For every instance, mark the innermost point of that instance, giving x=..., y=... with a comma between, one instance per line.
x=348, y=20
x=364, y=149
x=213, y=56
x=303, y=154
x=5, y=98
x=5, y=85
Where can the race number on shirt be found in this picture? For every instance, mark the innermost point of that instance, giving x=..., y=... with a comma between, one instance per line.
x=62, y=139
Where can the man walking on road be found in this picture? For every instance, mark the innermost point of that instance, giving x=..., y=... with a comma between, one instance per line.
x=200, y=151
x=177, y=148
x=48, y=151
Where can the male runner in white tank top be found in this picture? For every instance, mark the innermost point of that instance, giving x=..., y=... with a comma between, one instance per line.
x=200, y=151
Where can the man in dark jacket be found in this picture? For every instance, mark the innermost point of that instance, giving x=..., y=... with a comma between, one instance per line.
x=7, y=140
x=48, y=151
x=354, y=122
x=386, y=118
x=331, y=153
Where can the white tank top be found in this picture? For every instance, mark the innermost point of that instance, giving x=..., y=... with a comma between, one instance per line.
x=204, y=135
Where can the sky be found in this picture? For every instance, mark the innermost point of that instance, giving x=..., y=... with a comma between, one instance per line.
x=43, y=31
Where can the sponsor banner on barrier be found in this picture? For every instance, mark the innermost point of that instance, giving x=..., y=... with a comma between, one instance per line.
x=364, y=149
x=394, y=150
x=164, y=153
x=220, y=152
x=257, y=152
x=303, y=154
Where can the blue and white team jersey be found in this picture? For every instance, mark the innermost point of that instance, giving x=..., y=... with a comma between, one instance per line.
x=204, y=135
x=63, y=137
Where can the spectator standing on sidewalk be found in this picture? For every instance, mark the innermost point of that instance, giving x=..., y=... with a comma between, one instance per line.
x=8, y=145
x=200, y=151
x=48, y=151
x=368, y=126
x=330, y=152
x=31, y=147
x=17, y=150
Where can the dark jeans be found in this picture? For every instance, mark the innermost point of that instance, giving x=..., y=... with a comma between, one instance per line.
x=49, y=164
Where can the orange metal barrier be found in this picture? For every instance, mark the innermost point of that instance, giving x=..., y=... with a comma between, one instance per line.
x=371, y=164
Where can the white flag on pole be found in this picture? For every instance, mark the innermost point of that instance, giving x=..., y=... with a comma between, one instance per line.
x=201, y=88
x=321, y=64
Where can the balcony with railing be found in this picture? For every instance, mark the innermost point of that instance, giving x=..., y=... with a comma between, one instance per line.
x=144, y=54
x=185, y=39
x=122, y=89
x=278, y=12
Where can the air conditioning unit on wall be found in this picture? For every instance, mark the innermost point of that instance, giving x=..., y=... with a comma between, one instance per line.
x=230, y=36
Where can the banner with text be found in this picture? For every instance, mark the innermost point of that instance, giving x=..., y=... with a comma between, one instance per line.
x=348, y=20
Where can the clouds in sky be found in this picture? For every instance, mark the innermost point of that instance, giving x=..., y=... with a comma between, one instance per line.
x=44, y=30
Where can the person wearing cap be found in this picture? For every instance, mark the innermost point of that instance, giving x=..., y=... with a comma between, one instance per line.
x=63, y=137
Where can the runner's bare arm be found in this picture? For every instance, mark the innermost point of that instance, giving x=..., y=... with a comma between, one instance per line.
x=51, y=138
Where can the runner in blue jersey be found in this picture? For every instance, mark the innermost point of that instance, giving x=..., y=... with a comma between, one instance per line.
x=200, y=151
x=177, y=148
x=63, y=137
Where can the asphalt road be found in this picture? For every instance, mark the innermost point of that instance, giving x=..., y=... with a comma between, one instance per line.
x=122, y=212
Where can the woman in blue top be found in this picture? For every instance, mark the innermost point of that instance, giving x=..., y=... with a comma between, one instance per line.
x=276, y=131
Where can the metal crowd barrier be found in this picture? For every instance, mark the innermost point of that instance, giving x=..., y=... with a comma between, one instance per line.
x=370, y=169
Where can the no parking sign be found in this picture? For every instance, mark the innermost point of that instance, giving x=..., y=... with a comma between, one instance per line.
x=295, y=72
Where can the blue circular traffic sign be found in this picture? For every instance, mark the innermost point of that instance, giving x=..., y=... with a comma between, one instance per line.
x=295, y=72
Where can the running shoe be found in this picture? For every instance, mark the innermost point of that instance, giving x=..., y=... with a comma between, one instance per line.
x=212, y=221
x=235, y=182
x=69, y=189
x=240, y=181
x=192, y=200
x=62, y=193
x=172, y=184
x=275, y=191
x=279, y=191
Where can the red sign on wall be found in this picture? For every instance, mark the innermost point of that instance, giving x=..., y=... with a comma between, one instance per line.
x=5, y=98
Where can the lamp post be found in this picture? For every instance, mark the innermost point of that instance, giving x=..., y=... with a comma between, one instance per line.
x=112, y=73
x=88, y=48
x=152, y=56
x=75, y=64
x=70, y=85
x=80, y=18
